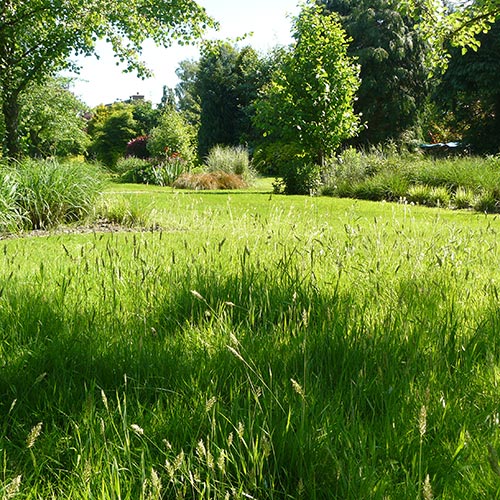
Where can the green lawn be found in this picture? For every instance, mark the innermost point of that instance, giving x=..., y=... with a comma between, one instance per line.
x=257, y=346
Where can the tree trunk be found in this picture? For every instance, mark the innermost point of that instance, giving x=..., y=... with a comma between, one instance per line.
x=10, y=110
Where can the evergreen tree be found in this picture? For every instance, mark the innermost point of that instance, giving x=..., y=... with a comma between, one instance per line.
x=470, y=91
x=391, y=55
x=216, y=94
x=216, y=87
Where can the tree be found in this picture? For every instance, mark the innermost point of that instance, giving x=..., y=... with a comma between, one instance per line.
x=112, y=133
x=37, y=37
x=394, y=78
x=309, y=100
x=51, y=120
x=188, y=100
x=469, y=93
x=145, y=115
x=216, y=88
x=446, y=22
x=216, y=93
x=172, y=136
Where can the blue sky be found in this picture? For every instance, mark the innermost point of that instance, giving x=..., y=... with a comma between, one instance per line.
x=101, y=81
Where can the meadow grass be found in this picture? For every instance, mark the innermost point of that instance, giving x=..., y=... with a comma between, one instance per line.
x=257, y=346
x=378, y=175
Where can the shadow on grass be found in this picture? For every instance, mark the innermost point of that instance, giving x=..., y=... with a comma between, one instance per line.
x=254, y=346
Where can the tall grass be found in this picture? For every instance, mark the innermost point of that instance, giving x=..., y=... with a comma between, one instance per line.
x=303, y=348
x=230, y=159
x=43, y=194
x=377, y=175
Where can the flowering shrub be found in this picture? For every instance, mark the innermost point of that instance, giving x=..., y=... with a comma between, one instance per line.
x=138, y=147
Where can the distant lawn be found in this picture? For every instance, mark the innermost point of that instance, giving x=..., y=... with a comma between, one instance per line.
x=257, y=346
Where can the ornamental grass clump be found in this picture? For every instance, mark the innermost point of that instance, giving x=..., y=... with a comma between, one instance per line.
x=43, y=194
x=210, y=181
x=230, y=159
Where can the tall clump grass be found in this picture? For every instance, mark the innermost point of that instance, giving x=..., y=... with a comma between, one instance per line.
x=42, y=194
x=378, y=175
x=230, y=159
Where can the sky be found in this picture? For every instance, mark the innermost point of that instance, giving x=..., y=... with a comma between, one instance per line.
x=101, y=81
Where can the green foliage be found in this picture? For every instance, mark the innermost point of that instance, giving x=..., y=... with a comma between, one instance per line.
x=122, y=212
x=378, y=175
x=11, y=214
x=111, y=135
x=419, y=194
x=223, y=87
x=391, y=54
x=488, y=200
x=273, y=158
x=173, y=135
x=146, y=117
x=157, y=172
x=188, y=99
x=458, y=22
x=301, y=177
x=128, y=168
x=464, y=198
x=51, y=120
x=44, y=194
x=310, y=98
x=37, y=38
x=230, y=159
x=468, y=94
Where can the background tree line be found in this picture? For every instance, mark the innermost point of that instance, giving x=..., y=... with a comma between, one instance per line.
x=357, y=74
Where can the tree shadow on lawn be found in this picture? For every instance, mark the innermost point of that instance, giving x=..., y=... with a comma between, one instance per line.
x=50, y=355
x=278, y=340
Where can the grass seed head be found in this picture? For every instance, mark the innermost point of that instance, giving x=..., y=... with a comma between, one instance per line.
x=12, y=489
x=422, y=421
x=201, y=451
x=33, y=435
x=104, y=400
x=298, y=388
x=210, y=404
x=138, y=430
x=427, y=489
x=221, y=461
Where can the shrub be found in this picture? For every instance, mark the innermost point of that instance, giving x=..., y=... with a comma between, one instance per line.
x=273, y=158
x=134, y=170
x=488, y=201
x=210, y=180
x=302, y=178
x=138, y=147
x=112, y=136
x=161, y=173
x=230, y=159
x=439, y=197
x=173, y=136
x=46, y=193
x=418, y=193
x=119, y=210
x=166, y=172
x=11, y=216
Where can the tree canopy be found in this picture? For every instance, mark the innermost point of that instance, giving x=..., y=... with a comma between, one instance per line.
x=391, y=55
x=309, y=100
x=469, y=93
x=457, y=22
x=37, y=38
